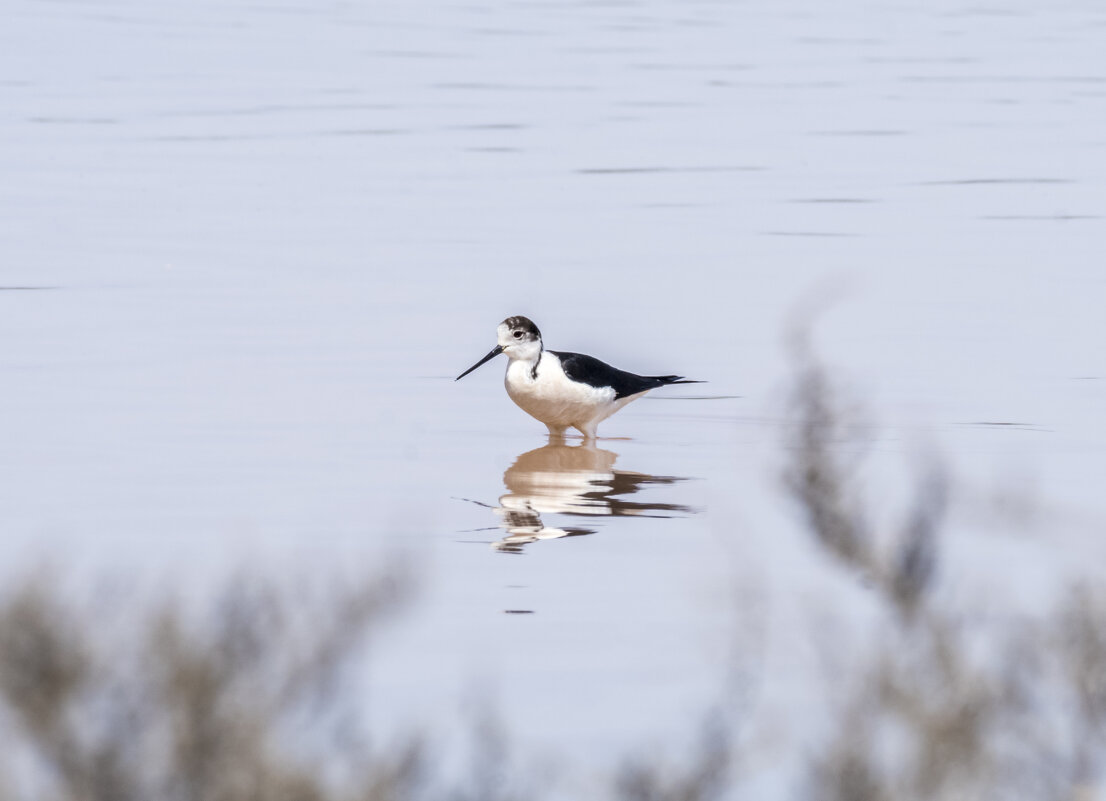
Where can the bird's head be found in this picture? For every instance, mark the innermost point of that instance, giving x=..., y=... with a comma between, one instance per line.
x=518, y=337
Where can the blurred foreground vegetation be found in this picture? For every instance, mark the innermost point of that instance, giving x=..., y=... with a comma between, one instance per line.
x=249, y=698
x=950, y=705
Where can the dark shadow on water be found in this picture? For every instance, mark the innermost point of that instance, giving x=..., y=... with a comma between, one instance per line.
x=815, y=234
x=867, y=132
x=833, y=200
x=1017, y=426
x=576, y=481
x=660, y=169
x=1044, y=217
x=997, y=181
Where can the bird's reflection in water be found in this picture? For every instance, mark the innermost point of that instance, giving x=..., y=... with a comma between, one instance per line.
x=579, y=480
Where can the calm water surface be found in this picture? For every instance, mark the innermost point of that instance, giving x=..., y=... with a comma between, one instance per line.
x=245, y=248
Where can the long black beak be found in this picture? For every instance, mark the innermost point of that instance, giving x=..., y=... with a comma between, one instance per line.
x=498, y=349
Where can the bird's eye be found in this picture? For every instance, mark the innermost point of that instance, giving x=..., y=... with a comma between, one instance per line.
x=518, y=335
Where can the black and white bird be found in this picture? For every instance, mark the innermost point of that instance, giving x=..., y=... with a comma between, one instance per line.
x=565, y=389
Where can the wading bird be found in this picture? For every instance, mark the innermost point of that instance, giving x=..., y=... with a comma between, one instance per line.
x=565, y=389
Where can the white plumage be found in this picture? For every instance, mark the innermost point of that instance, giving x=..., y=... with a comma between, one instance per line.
x=557, y=400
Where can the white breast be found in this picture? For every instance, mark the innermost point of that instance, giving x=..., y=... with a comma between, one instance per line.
x=552, y=397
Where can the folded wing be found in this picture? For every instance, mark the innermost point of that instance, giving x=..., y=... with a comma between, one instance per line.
x=593, y=372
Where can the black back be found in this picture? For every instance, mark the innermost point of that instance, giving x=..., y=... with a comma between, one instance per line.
x=589, y=370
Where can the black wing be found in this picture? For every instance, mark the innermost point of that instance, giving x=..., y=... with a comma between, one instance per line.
x=589, y=370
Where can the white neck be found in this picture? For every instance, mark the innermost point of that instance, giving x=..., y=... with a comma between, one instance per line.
x=524, y=351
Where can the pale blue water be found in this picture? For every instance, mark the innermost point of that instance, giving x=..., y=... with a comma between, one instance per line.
x=244, y=248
